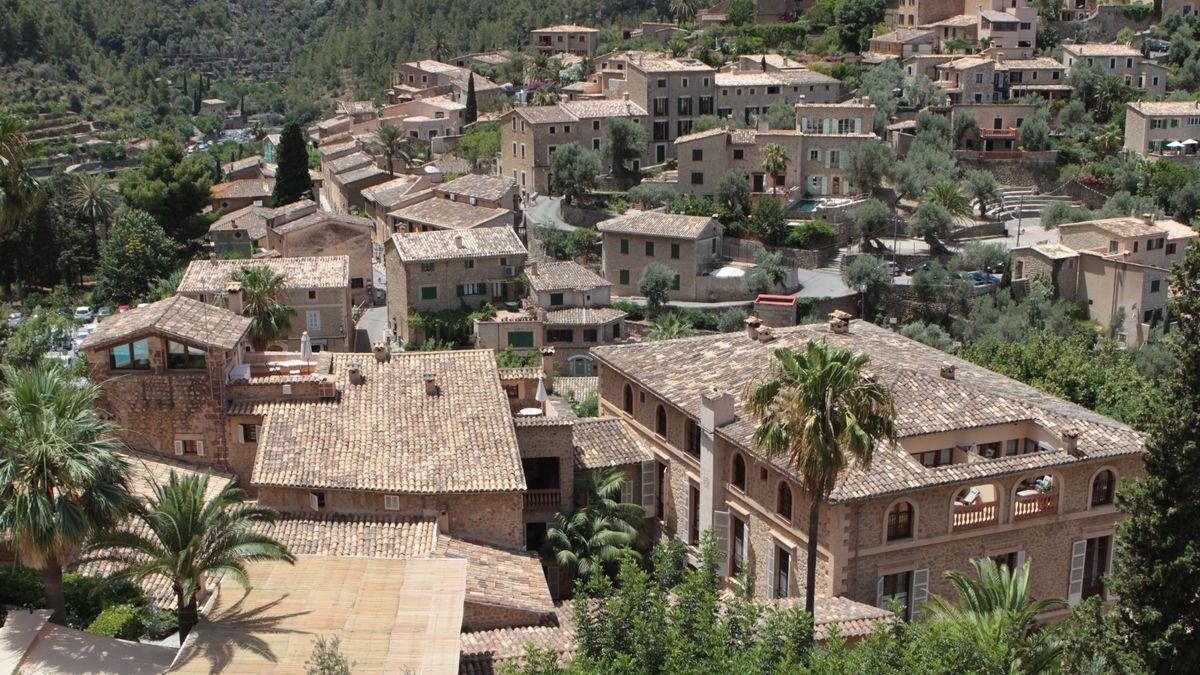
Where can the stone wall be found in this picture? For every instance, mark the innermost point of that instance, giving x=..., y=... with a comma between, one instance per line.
x=1026, y=171
x=1104, y=25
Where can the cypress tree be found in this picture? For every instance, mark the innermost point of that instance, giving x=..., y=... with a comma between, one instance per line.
x=472, y=111
x=185, y=88
x=292, y=181
x=1157, y=566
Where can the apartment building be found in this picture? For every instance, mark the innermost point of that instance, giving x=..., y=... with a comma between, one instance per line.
x=317, y=288
x=828, y=132
x=382, y=199
x=449, y=270
x=969, y=79
x=426, y=118
x=565, y=39
x=1158, y=129
x=1123, y=61
x=982, y=465
x=529, y=135
x=1117, y=267
x=428, y=78
x=688, y=245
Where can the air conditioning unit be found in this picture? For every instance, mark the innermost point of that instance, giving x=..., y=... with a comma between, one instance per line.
x=473, y=201
x=510, y=270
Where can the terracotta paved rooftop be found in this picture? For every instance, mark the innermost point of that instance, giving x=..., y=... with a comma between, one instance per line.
x=680, y=370
x=1123, y=226
x=458, y=244
x=212, y=276
x=31, y=645
x=657, y=224
x=554, y=276
x=499, y=577
x=179, y=317
x=390, y=615
x=388, y=435
x=605, y=441
x=491, y=188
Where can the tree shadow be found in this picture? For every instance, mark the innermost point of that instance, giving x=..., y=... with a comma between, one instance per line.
x=237, y=628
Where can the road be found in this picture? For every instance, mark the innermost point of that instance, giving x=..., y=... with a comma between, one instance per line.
x=371, y=328
x=547, y=210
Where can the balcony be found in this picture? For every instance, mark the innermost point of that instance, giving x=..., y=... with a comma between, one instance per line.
x=975, y=516
x=1035, y=505
x=998, y=133
x=546, y=498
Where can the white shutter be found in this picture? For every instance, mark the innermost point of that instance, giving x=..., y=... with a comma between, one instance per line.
x=771, y=576
x=920, y=590
x=649, y=498
x=685, y=519
x=1020, y=559
x=721, y=525
x=179, y=447
x=1112, y=554
x=879, y=594
x=858, y=125
x=241, y=433
x=199, y=448
x=1075, y=586
x=312, y=501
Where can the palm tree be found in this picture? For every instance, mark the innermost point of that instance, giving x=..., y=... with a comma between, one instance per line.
x=18, y=189
x=946, y=194
x=391, y=138
x=684, y=10
x=185, y=535
x=995, y=612
x=669, y=327
x=821, y=411
x=440, y=47
x=414, y=152
x=91, y=201
x=61, y=479
x=774, y=161
x=600, y=531
x=262, y=301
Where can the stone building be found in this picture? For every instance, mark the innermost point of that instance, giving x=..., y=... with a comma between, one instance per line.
x=1162, y=129
x=396, y=193
x=981, y=466
x=428, y=78
x=687, y=245
x=317, y=288
x=1124, y=61
x=565, y=39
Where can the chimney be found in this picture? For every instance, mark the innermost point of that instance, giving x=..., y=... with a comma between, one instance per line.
x=765, y=334
x=752, y=324
x=948, y=370
x=533, y=268
x=381, y=352
x=839, y=322
x=212, y=257
x=233, y=297
x=548, y=366
x=431, y=386
x=1070, y=440
x=1148, y=218
x=458, y=241
x=716, y=409
x=355, y=374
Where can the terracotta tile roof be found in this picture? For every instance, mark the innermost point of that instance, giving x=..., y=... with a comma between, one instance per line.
x=851, y=618
x=656, y=63
x=387, y=435
x=553, y=276
x=360, y=174
x=1102, y=49
x=351, y=162
x=522, y=373
x=1041, y=62
x=1054, y=250
x=583, y=316
x=391, y=193
x=715, y=131
x=335, y=148
x=491, y=188
x=447, y=214
x=324, y=218
x=485, y=652
x=806, y=76
x=565, y=28
x=680, y=370
x=212, y=276
x=252, y=219
x=996, y=16
x=1166, y=107
x=605, y=441
x=179, y=317
x=545, y=114
x=244, y=188
x=1122, y=226
x=966, y=62
x=957, y=21
x=581, y=386
x=244, y=163
x=499, y=577
x=658, y=224
x=747, y=79
x=362, y=536
x=457, y=244
x=903, y=35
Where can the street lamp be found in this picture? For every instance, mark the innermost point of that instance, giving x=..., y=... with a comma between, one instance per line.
x=862, y=301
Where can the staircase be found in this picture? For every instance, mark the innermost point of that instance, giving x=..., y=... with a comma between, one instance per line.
x=834, y=264
x=1025, y=202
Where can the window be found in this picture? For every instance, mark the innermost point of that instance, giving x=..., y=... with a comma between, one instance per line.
x=316, y=500
x=1011, y=560
x=661, y=130
x=1095, y=565
x=661, y=107
x=661, y=83
x=814, y=155
x=706, y=106
x=520, y=338
x=623, y=277
x=660, y=421
x=356, y=282
x=469, y=264
x=649, y=249
x=1112, y=247
x=132, y=356
x=552, y=130
x=783, y=501
x=625, y=246
x=465, y=290
x=900, y=522
x=184, y=356
x=697, y=178
x=675, y=283
x=697, y=155
x=595, y=143
x=312, y=319
x=989, y=450
x=737, y=560
x=189, y=447
x=693, y=532
x=560, y=335
x=249, y=432
x=739, y=154
x=675, y=251
x=739, y=472
x=429, y=292
x=693, y=438
x=566, y=128
x=595, y=125
x=1103, y=487
x=936, y=458
x=896, y=587
x=628, y=400
x=312, y=295
x=589, y=335
x=683, y=127
x=391, y=502
x=685, y=105
x=1155, y=285
x=782, y=572
x=1170, y=249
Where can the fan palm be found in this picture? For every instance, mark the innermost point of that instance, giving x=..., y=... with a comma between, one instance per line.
x=946, y=194
x=669, y=327
x=61, y=479
x=18, y=189
x=414, y=152
x=599, y=532
x=185, y=535
x=774, y=161
x=995, y=613
x=685, y=10
x=262, y=301
x=391, y=138
x=820, y=411
x=91, y=200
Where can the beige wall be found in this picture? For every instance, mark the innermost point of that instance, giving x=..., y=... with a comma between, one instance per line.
x=525, y=147
x=331, y=239
x=693, y=255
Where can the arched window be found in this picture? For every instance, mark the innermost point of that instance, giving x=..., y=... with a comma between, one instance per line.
x=628, y=407
x=660, y=421
x=783, y=502
x=581, y=366
x=1103, y=488
x=739, y=472
x=900, y=522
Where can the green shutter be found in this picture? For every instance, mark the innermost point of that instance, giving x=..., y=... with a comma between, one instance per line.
x=429, y=292
x=650, y=249
x=624, y=277
x=675, y=251
x=675, y=283
x=520, y=339
x=624, y=246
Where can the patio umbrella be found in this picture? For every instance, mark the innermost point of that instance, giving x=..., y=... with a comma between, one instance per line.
x=541, y=396
x=1191, y=141
x=1175, y=144
x=305, y=346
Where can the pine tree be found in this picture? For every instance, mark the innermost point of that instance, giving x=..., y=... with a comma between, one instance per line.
x=292, y=182
x=472, y=111
x=1157, y=570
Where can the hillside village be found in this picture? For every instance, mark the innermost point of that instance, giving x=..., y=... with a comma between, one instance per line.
x=767, y=336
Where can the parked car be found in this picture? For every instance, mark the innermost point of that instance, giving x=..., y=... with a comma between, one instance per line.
x=122, y=309
x=81, y=334
x=143, y=304
x=896, y=271
x=83, y=314
x=917, y=268
x=104, y=312
x=16, y=319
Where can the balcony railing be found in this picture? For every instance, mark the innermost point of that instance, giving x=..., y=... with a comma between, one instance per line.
x=1033, y=506
x=976, y=516
x=998, y=133
x=548, y=498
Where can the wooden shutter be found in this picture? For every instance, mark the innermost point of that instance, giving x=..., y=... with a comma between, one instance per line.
x=920, y=590
x=879, y=594
x=721, y=527
x=649, y=496
x=179, y=447
x=199, y=448
x=241, y=433
x=627, y=492
x=685, y=518
x=1075, y=585
x=772, y=577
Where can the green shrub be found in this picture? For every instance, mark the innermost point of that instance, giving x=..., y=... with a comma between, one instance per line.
x=635, y=311
x=119, y=621
x=21, y=587
x=158, y=623
x=87, y=596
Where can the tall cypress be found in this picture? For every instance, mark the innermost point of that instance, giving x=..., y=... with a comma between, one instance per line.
x=472, y=111
x=1157, y=566
x=292, y=182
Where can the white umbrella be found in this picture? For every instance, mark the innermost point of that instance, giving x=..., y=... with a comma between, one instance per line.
x=541, y=396
x=1175, y=144
x=305, y=346
x=1191, y=141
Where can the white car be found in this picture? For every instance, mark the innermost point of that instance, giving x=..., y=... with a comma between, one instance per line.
x=83, y=314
